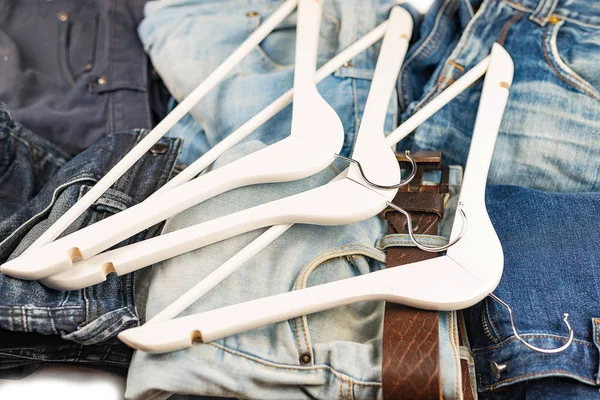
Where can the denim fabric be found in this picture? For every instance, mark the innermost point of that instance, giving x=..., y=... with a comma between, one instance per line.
x=21, y=354
x=551, y=267
x=38, y=185
x=195, y=143
x=74, y=71
x=549, y=135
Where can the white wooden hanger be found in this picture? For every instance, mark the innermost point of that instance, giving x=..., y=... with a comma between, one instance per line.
x=92, y=271
x=316, y=135
x=88, y=273
x=326, y=205
x=468, y=272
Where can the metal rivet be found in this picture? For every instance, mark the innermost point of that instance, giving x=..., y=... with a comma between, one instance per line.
x=305, y=359
x=252, y=14
x=63, y=16
x=159, y=148
x=347, y=64
x=5, y=58
x=102, y=80
x=553, y=19
x=498, y=369
x=87, y=66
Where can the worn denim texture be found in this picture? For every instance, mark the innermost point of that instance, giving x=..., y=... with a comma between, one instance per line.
x=551, y=267
x=549, y=135
x=21, y=354
x=74, y=70
x=39, y=183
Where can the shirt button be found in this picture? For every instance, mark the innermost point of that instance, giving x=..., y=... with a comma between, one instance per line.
x=159, y=148
x=63, y=16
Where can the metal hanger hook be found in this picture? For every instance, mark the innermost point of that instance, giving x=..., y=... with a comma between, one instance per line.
x=375, y=185
x=431, y=249
x=534, y=348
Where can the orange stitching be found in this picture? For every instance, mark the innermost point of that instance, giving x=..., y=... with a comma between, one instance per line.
x=559, y=74
x=341, y=389
x=349, y=388
x=456, y=65
x=507, y=27
x=294, y=328
x=304, y=330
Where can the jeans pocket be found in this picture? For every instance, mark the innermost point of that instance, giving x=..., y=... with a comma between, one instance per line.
x=570, y=51
x=347, y=338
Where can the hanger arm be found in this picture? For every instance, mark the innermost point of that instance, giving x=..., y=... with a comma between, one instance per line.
x=163, y=127
x=272, y=109
x=212, y=325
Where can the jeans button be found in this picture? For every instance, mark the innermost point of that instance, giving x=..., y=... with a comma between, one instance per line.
x=305, y=359
x=159, y=148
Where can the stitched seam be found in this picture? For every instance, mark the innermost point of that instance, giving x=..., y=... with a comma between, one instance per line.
x=81, y=178
x=533, y=374
x=518, y=6
x=494, y=327
x=294, y=328
x=559, y=74
x=457, y=377
x=58, y=360
x=305, y=333
x=492, y=348
x=341, y=396
x=349, y=388
x=329, y=256
x=289, y=367
x=484, y=323
x=417, y=54
x=508, y=25
x=57, y=162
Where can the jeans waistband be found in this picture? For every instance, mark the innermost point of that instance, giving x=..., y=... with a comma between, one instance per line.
x=541, y=11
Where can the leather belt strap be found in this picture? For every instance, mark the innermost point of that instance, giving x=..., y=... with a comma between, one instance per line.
x=411, y=357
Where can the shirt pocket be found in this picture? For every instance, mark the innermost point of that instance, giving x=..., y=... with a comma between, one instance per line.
x=78, y=39
x=570, y=50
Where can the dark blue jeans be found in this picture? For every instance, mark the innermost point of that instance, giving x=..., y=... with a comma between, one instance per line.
x=551, y=267
x=39, y=183
x=74, y=70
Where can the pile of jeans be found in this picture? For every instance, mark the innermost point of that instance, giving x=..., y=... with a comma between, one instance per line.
x=81, y=82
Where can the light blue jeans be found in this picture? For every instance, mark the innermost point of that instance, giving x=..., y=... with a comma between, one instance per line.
x=343, y=344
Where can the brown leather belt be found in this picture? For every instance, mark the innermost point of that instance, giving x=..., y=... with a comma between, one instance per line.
x=411, y=356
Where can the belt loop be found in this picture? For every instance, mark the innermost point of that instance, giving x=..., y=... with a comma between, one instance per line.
x=543, y=11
